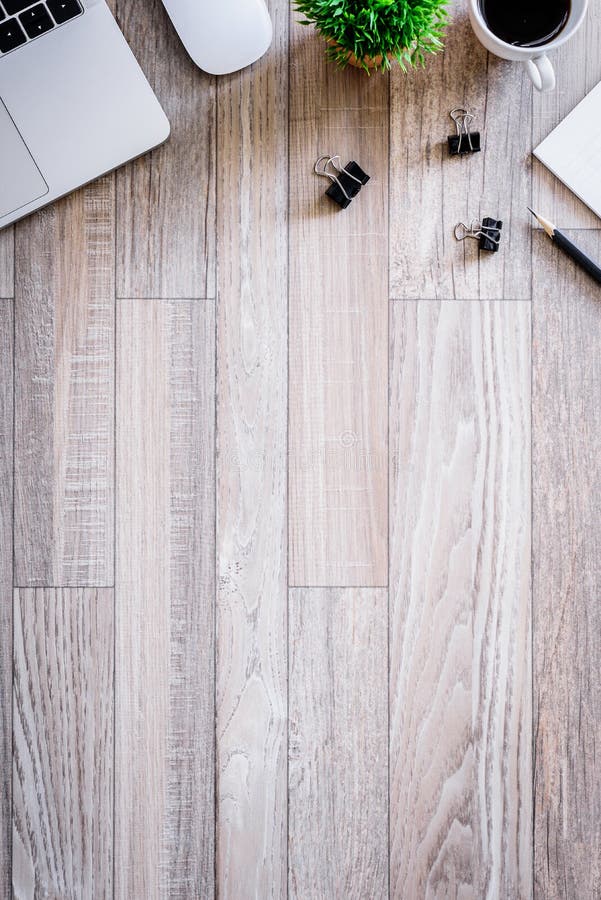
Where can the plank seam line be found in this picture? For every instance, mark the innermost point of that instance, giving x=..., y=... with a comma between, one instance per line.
x=63, y=587
x=388, y=468
x=129, y=298
x=462, y=299
x=532, y=685
x=338, y=587
x=537, y=230
x=288, y=140
x=116, y=336
x=216, y=798
x=11, y=637
x=533, y=243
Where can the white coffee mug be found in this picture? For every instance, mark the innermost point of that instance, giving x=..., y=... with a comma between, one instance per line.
x=534, y=58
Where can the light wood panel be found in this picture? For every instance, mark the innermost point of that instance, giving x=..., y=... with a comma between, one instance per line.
x=251, y=474
x=566, y=419
x=338, y=781
x=6, y=579
x=337, y=325
x=64, y=387
x=7, y=285
x=166, y=199
x=430, y=192
x=164, y=715
x=460, y=674
x=578, y=69
x=63, y=744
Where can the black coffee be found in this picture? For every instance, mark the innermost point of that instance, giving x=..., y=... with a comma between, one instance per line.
x=525, y=23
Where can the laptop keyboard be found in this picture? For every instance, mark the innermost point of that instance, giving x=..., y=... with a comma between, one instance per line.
x=23, y=20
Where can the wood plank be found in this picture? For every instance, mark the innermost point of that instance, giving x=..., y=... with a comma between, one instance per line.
x=338, y=744
x=251, y=474
x=566, y=421
x=166, y=199
x=578, y=69
x=63, y=744
x=6, y=580
x=431, y=192
x=460, y=672
x=165, y=623
x=338, y=322
x=7, y=275
x=64, y=389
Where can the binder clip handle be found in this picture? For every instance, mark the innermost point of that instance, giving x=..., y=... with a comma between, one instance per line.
x=346, y=182
x=341, y=195
x=464, y=140
x=488, y=233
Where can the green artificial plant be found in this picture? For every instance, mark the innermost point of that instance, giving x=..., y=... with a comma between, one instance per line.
x=370, y=33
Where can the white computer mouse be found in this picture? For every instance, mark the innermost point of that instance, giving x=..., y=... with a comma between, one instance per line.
x=222, y=36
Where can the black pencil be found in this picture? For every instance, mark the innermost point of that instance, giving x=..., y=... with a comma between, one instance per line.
x=559, y=238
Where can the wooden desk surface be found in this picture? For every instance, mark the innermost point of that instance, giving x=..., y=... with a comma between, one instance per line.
x=300, y=528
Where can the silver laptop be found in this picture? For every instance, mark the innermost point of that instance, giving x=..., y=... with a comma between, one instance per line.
x=74, y=103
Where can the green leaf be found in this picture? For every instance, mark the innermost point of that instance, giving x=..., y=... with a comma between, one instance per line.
x=405, y=29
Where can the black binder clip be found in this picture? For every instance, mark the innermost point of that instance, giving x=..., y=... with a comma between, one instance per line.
x=346, y=183
x=488, y=234
x=464, y=141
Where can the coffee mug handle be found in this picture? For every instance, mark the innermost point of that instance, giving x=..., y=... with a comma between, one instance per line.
x=541, y=72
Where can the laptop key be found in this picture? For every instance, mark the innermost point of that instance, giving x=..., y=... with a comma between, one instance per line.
x=15, y=6
x=62, y=10
x=36, y=20
x=11, y=35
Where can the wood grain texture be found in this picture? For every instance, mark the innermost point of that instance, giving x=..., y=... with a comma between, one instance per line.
x=166, y=199
x=64, y=386
x=6, y=580
x=251, y=475
x=460, y=651
x=338, y=842
x=63, y=744
x=566, y=421
x=338, y=322
x=577, y=67
x=165, y=623
x=7, y=278
x=430, y=192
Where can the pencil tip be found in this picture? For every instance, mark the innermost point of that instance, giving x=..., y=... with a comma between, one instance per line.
x=544, y=223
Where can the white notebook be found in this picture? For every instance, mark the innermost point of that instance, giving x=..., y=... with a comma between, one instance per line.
x=573, y=150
